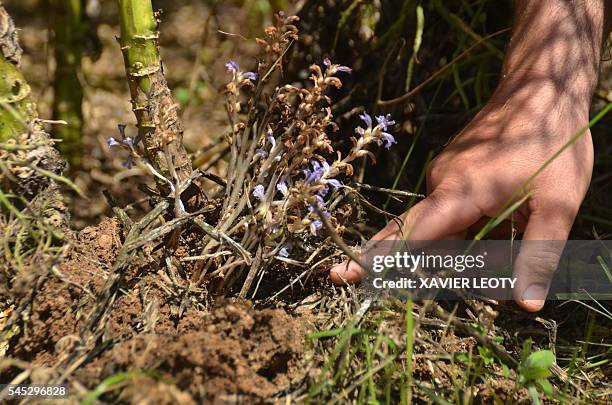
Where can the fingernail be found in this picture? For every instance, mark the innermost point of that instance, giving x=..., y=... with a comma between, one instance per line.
x=345, y=272
x=535, y=292
x=534, y=296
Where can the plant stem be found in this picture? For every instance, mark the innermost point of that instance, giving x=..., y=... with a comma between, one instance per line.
x=39, y=164
x=17, y=108
x=152, y=102
x=68, y=93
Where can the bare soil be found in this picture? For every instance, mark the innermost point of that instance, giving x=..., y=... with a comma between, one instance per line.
x=229, y=352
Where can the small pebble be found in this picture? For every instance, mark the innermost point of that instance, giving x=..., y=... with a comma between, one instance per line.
x=105, y=242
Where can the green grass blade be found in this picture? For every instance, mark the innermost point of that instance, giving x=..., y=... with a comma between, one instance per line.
x=110, y=383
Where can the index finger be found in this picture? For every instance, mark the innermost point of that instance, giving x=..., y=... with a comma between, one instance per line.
x=441, y=215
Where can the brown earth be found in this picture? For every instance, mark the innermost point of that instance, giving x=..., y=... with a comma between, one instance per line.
x=228, y=352
x=232, y=353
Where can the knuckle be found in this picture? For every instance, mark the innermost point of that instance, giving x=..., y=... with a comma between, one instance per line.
x=544, y=263
x=441, y=199
x=450, y=187
x=432, y=174
x=434, y=169
x=564, y=209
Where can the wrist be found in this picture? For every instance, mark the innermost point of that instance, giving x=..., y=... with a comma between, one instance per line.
x=543, y=94
x=555, y=50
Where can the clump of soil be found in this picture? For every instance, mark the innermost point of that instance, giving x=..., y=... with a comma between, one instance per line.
x=233, y=352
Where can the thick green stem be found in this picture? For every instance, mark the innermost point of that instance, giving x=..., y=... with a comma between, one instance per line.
x=17, y=109
x=152, y=102
x=35, y=178
x=15, y=104
x=68, y=93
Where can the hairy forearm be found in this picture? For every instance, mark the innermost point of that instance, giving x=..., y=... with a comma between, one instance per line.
x=555, y=50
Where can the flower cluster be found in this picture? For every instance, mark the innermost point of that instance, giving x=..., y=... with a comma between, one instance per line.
x=239, y=76
x=293, y=182
x=333, y=69
x=284, y=181
x=239, y=79
x=277, y=40
x=376, y=133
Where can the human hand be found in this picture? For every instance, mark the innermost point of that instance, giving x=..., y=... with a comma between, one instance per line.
x=488, y=165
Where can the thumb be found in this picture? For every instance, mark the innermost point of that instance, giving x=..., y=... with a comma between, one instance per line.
x=540, y=252
x=441, y=215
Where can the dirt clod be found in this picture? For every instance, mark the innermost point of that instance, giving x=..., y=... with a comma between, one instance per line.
x=232, y=352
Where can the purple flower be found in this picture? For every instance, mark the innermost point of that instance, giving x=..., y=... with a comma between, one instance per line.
x=385, y=121
x=312, y=176
x=336, y=68
x=334, y=183
x=232, y=66
x=285, y=249
x=121, y=128
x=259, y=192
x=366, y=118
x=389, y=139
x=261, y=153
x=271, y=139
x=320, y=201
x=252, y=76
x=317, y=172
x=315, y=226
x=129, y=162
x=282, y=187
x=127, y=141
x=112, y=142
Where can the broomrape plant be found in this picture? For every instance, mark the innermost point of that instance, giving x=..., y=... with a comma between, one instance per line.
x=281, y=182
